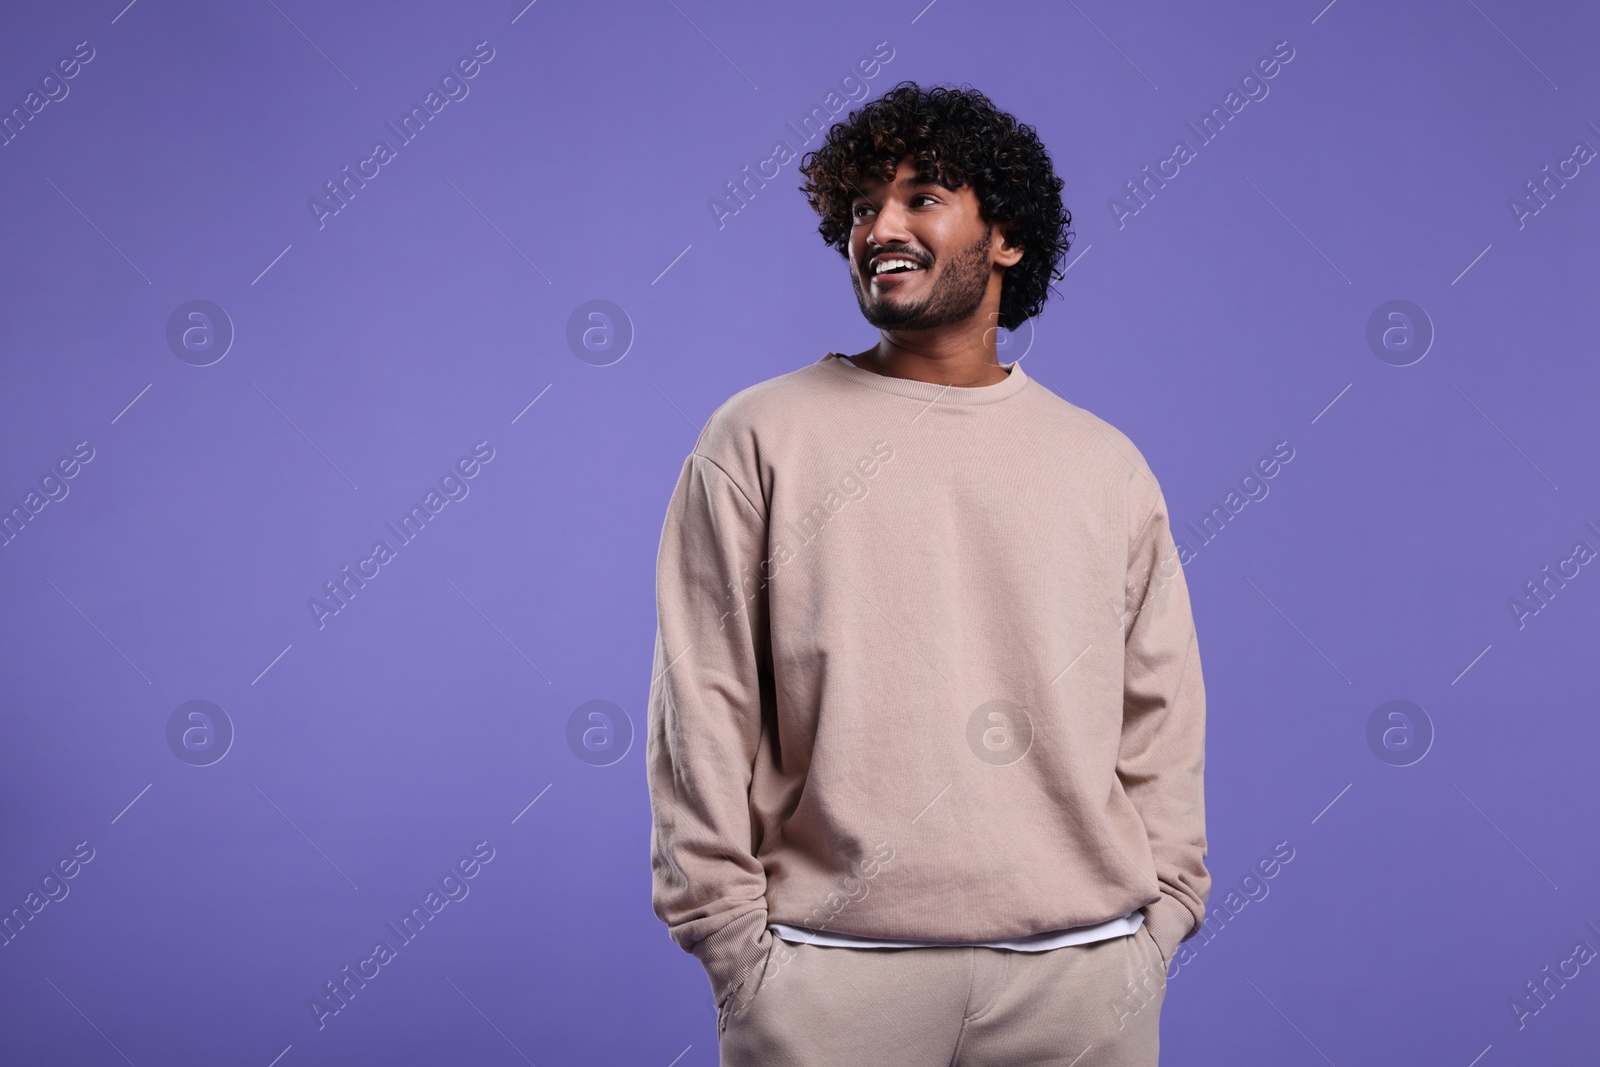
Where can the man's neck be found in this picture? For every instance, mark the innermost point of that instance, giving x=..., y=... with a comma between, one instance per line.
x=920, y=369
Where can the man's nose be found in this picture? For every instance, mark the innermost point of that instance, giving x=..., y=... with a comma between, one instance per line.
x=889, y=226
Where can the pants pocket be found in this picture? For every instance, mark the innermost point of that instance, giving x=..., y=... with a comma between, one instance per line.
x=1144, y=928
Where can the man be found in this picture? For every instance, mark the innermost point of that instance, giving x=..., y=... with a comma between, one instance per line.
x=926, y=724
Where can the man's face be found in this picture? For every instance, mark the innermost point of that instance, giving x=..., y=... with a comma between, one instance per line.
x=939, y=230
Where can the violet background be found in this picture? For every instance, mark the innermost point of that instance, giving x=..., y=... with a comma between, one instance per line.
x=369, y=755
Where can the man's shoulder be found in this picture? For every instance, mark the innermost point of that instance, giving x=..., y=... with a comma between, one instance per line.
x=1110, y=460
x=762, y=412
x=1092, y=436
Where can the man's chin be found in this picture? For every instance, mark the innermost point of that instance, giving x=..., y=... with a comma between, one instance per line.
x=887, y=313
x=878, y=322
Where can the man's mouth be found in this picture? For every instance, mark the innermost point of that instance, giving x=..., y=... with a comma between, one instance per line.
x=893, y=266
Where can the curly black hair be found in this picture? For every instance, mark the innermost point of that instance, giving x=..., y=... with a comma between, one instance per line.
x=957, y=137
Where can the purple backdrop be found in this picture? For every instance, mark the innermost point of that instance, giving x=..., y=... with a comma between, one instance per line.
x=243, y=345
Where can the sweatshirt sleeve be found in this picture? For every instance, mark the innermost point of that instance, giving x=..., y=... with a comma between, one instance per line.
x=1162, y=758
x=711, y=682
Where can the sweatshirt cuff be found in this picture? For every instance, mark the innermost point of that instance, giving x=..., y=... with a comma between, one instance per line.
x=1170, y=921
x=733, y=952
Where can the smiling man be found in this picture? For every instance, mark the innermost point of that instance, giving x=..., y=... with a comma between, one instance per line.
x=927, y=772
x=927, y=310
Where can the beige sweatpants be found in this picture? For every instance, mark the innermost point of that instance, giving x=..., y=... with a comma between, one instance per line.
x=1090, y=1005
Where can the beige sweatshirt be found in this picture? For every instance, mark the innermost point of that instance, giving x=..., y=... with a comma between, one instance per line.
x=925, y=668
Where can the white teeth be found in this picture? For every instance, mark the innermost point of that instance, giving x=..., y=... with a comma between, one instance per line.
x=885, y=264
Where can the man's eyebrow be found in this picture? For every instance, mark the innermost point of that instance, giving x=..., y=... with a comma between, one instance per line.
x=916, y=181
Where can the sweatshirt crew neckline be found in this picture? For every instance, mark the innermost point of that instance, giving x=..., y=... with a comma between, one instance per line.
x=1015, y=381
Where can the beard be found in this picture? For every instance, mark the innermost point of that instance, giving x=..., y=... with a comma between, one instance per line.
x=956, y=292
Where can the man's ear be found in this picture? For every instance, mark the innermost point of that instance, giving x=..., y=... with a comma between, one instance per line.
x=1007, y=254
